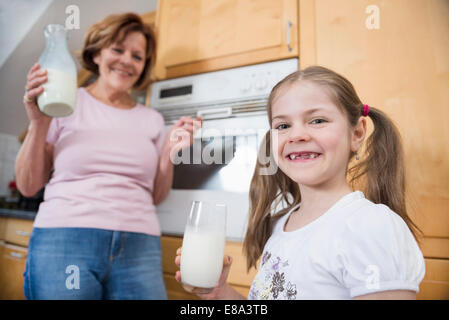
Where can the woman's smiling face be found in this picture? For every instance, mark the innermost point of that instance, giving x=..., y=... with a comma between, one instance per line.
x=313, y=135
x=121, y=64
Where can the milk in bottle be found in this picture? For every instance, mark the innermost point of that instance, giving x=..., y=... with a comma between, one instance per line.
x=59, y=96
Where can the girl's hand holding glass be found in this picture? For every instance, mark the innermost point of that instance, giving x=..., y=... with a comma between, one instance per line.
x=220, y=291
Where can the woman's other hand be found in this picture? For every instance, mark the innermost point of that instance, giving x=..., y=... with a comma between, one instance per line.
x=180, y=136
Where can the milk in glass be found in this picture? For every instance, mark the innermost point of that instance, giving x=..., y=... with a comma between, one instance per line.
x=203, y=247
x=202, y=257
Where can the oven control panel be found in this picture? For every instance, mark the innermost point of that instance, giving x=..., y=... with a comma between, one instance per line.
x=232, y=84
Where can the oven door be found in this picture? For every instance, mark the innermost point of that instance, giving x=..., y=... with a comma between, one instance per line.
x=217, y=168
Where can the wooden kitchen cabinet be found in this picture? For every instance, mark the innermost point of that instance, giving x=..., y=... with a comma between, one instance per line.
x=12, y=267
x=206, y=35
x=14, y=238
x=401, y=68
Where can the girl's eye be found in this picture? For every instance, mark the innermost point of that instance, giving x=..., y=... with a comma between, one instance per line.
x=137, y=58
x=117, y=50
x=318, y=121
x=282, y=126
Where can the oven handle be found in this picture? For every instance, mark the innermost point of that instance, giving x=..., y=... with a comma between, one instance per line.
x=214, y=113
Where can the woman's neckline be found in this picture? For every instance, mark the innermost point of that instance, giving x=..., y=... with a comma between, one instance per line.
x=108, y=105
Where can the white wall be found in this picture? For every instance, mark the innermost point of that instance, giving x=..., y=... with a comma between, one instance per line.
x=29, y=12
x=13, y=72
x=9, y=147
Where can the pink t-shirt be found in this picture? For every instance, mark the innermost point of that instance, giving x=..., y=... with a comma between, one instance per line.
x=105, y=163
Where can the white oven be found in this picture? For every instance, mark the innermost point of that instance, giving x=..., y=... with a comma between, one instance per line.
x=220, y=164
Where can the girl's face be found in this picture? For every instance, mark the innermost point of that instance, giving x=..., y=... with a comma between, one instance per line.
x=314, y=136
x=121, y=64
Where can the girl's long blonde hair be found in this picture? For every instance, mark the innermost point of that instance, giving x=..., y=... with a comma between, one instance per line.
x=381, y=172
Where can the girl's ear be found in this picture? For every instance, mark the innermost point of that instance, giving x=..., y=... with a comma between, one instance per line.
x=358, y=134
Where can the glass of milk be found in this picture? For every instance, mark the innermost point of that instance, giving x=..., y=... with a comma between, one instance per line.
x=59, y=96
x=203, y=247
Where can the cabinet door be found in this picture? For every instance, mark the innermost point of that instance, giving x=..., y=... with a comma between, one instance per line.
x=436, y=281
x=12, y=266
x=400, y=66
x=205, y=35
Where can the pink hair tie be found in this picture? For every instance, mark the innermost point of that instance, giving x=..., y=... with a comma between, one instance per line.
x=365, y=110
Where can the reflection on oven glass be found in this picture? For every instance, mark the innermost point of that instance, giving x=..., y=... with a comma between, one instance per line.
x=234, y=159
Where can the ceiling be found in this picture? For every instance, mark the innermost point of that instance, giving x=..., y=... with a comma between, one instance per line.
x=12, y=29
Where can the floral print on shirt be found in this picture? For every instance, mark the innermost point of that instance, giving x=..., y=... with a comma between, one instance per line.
x=271, y=283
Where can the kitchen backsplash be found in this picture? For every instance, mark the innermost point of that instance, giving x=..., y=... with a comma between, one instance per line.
x=9, y=147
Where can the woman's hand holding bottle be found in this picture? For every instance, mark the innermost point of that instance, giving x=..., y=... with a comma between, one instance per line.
x=35, y=78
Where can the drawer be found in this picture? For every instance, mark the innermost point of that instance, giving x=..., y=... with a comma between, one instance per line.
x=12, y=266
x=435, y=285
x=18, y=231
x=435, y=247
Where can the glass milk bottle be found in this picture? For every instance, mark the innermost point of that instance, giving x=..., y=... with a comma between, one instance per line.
x=59, y=96
x=203, y=247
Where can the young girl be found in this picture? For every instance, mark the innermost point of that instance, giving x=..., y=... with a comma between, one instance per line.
x=329, y=242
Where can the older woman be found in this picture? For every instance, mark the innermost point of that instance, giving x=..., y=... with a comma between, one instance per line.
x=96, y=235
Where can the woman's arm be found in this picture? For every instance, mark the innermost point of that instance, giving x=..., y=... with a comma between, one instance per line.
x=164, y=176
x=178, y=137
x=34, y=160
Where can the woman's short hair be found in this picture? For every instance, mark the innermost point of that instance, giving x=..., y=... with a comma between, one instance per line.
x=112, y=29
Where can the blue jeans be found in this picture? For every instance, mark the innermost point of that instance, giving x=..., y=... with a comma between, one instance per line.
x=85, y=263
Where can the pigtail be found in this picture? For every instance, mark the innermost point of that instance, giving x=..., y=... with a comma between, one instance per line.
x=383, y=170
x=267, y=191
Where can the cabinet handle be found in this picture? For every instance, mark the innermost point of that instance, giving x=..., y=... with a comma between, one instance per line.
x=16, y=255
x=23, y=233
x=289, y=25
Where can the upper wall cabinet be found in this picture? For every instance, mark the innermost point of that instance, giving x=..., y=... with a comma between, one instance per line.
x=197, y=36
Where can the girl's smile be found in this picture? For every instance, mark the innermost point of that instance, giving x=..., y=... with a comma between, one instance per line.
x=303, y=156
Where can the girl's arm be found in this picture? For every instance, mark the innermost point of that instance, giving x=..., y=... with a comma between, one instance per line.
x=389, y=295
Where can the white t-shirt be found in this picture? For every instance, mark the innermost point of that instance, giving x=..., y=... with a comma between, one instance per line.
x=355, y=248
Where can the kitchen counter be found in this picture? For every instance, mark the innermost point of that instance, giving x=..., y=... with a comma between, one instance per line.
x=20, y=214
